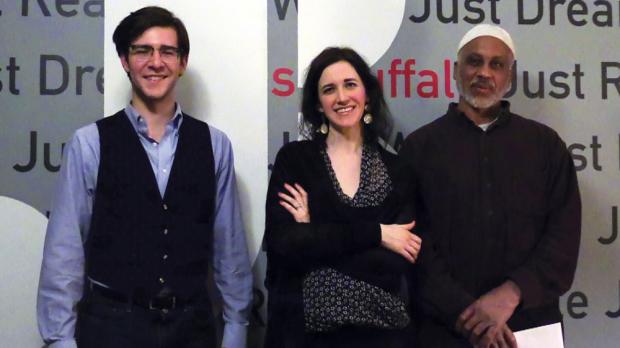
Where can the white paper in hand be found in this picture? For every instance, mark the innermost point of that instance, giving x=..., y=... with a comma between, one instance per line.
x=548, y=336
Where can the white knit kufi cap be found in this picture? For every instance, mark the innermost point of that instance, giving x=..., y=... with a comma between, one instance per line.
x=488, y=30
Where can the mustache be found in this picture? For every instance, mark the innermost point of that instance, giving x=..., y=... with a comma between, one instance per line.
x=482, y=82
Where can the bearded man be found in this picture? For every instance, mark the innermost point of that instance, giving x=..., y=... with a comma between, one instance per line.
x=497, y=195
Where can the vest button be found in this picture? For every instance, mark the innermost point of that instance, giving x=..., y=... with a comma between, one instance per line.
x=165, y=231
x=162, y=280
x=165, y=206
x=165, y=257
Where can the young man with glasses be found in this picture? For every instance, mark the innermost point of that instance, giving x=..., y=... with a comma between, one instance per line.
x=146, y=203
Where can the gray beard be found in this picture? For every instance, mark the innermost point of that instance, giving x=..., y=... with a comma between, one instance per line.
x=479, y=102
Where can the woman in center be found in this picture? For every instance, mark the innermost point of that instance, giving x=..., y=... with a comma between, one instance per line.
x=337, y=254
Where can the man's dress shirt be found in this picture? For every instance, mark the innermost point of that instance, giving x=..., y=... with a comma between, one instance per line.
x=62, y=273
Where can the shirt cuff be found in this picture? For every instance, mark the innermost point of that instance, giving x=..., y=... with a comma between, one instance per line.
x=365, y=235
x=62, y=344
x=234, y=335
x=530, y=287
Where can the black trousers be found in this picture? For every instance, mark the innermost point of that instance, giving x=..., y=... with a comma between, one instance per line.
x=103, y=323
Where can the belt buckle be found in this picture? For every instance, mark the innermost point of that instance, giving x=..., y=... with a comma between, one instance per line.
x=171, y=300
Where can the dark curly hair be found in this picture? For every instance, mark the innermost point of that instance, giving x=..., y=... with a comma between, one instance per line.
x=134, y=25
x=312, y=118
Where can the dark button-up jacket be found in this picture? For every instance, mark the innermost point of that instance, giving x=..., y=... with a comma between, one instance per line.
x=501, y=204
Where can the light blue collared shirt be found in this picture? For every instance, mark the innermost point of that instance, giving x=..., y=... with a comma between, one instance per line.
x=62, y=272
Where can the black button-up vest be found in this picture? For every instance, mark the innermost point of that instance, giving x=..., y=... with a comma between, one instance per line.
x=139, y=242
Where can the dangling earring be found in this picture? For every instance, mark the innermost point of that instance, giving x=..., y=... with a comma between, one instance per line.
x=324, y=129
x=367, y=116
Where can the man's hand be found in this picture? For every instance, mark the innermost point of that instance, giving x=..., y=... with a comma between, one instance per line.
x=504, y=338
x=484, y=321
x=399, y=239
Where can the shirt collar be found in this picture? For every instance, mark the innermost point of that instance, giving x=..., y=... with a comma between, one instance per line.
x=140, y=126
x=502, y=118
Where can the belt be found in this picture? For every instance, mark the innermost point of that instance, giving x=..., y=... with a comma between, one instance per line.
x=154, y=303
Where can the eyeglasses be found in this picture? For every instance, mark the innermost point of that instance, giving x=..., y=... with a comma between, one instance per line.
x=145, y=52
